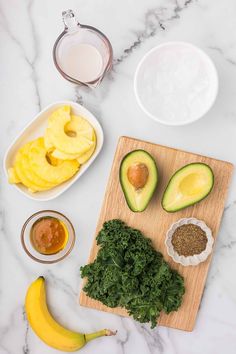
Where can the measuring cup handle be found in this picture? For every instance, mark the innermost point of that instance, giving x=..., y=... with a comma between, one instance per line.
x=70, y=21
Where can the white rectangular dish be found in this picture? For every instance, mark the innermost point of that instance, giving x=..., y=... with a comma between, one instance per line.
x=37, y=128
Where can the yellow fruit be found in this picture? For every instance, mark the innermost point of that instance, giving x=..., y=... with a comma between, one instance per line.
x=13, y=178
x=86, y=156
x=46, y=328
x=43, y=168
x=58, y=154
x=63, y=111
x=80, y=158
x=44, y=163
x=69, y=135
x=24, y=173
x=48, y=140
x=24, y=164
x=79, y=126
x=52, y=159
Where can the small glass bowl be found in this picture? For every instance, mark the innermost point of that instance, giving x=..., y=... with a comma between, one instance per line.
x=47, y=258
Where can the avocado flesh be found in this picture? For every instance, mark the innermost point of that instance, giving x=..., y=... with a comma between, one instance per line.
x=138, y=199
x=187, y=186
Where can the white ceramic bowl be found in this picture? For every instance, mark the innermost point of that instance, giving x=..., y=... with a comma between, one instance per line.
x=37, y=128
x=172, y=93
x=197, y=258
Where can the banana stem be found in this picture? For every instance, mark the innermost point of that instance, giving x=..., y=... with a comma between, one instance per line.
x=103, y=332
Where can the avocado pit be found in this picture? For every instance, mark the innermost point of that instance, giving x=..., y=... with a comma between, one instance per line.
x=138, y=175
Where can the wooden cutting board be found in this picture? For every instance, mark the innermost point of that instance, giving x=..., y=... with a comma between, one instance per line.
x=154, y=221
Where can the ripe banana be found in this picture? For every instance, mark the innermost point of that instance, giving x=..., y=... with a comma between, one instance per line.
x=44, y=325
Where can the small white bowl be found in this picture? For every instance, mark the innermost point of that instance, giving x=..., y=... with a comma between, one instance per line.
x=37, y=128
x=197, y=258
x=166, y=91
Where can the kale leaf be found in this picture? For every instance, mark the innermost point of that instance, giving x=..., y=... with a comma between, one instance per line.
x=130, y=273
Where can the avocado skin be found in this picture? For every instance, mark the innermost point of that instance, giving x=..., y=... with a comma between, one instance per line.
x=176, y=172
x=124, y=187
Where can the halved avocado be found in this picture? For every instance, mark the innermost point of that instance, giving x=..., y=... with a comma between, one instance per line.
x=188, y=186
x=138, y=178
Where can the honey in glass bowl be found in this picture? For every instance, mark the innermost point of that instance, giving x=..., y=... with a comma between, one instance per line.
x=49, y=235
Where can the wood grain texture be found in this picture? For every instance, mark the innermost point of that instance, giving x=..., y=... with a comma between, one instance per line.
x=154, y=221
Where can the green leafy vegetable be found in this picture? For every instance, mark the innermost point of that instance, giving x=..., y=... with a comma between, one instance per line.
x=130, y=273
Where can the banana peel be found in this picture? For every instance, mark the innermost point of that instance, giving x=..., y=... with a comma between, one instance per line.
x=47, y=328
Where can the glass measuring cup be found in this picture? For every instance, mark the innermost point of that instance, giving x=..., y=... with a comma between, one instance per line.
x=82, y=54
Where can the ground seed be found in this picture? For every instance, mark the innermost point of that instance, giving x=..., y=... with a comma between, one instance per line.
x=189, y=239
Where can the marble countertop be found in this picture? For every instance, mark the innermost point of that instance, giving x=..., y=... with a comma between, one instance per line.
x=29, y=82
